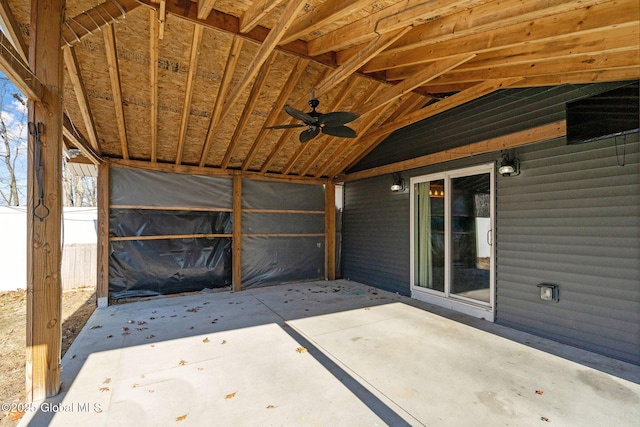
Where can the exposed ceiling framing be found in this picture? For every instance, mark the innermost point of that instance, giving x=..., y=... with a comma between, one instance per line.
x=192, y=85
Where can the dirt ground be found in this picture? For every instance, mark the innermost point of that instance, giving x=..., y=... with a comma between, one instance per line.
x=77, y=306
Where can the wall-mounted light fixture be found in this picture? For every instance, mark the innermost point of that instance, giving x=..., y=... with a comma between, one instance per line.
x=398, y=183
x=548, y=292
x=510, y=166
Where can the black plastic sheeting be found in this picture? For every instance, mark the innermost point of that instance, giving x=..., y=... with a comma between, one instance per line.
x=282, y=195
x=165, y=266
x=274, y=223
x=269, y=260
x=135, y=187
x=140, y=222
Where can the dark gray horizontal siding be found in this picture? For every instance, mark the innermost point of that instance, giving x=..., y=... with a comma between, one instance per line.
x=375, y=237
x=500, y=113
x=572, y=218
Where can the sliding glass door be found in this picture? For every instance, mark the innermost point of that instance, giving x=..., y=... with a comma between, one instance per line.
x=452, y=239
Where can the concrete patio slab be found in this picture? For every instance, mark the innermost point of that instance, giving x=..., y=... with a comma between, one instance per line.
x=328, y=354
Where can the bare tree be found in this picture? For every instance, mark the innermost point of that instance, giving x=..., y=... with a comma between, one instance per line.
x=13, y=120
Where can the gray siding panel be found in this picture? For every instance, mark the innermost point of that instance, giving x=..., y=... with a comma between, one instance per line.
x=573, y=218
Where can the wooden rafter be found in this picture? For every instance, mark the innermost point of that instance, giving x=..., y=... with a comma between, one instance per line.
x=116, y=88
x=11, y=31
x=292, y=80
x=258, y=10
x=329, y=11
x=270, y=42
x=154, y=36
x=70, y=132
x=459, y=98
x=73, y=70
x=259, y=83
x=188, y=90
x=229, y=69
x=205, y=7
x=541, y=133
x=427, y=73
x=410, y=104
x=573, y=29
x=95, y=19
x=486, y=19
x=345, y=70
x=12, y=65
x=392, y=18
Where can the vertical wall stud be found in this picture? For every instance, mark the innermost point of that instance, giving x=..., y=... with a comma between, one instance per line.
x=237, y=233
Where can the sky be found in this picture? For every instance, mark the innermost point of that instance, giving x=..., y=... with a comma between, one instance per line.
x=14, y=115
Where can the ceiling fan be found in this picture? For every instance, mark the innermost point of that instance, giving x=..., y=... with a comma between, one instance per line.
x=329, y=123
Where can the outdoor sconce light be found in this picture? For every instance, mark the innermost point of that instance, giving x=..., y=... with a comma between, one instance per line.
x=510, y=166
x=548, y=292
x=398, y=183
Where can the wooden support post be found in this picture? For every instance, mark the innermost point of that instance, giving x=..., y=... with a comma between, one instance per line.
x=44, y=204
x=237, y=234
x=102, y=291
x=330, y=230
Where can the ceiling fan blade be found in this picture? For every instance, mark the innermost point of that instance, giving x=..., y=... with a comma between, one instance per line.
x=289, y=126
x=340, y=131
x=297, y=114
x=337, y=118
x=309, y=134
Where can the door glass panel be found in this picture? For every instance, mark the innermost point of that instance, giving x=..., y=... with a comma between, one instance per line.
x=429, y=235
x=470, y=237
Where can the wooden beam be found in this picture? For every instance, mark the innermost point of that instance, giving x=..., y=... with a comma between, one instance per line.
x=573, y=29
x=209, y=171
x=290, y=83
x=529, y=136
x=18, y=71
x=257, y=87
x=330, y=231
x=116, y=88
x=345, y=70
x=154, y=36
x=188, y=90
x=12, y=32
x=258, y=10
x=577, y=64
x=400, y=15
x=270, y=42
x=459, y=98
x=105, y=14
x=236, y=241
x=486, y=19
x=229, y=69
x=70, y=132
x=44, y=204
x=75, y=76
x=102, y=290
x=327, y=12
x=426, y=74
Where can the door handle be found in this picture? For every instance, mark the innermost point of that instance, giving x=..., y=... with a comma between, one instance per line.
x=489, y=240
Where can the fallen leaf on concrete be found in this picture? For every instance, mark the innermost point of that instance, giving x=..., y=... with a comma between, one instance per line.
x=271, y=407
x=206, y=340
x=106, y=381
x=544, y=419
x=367, y=308
x=109, y=336
x=104, y=388
x=141, y=322
x=193, y=310
x=96, y=327
x=223, y=342
x=539, y=392
x=182, y=362
x=16, y=415
x=151, y=336
x=231, y=395
x=301, y=350
x=181, y=418
x=135, y=385
x=125, y=329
